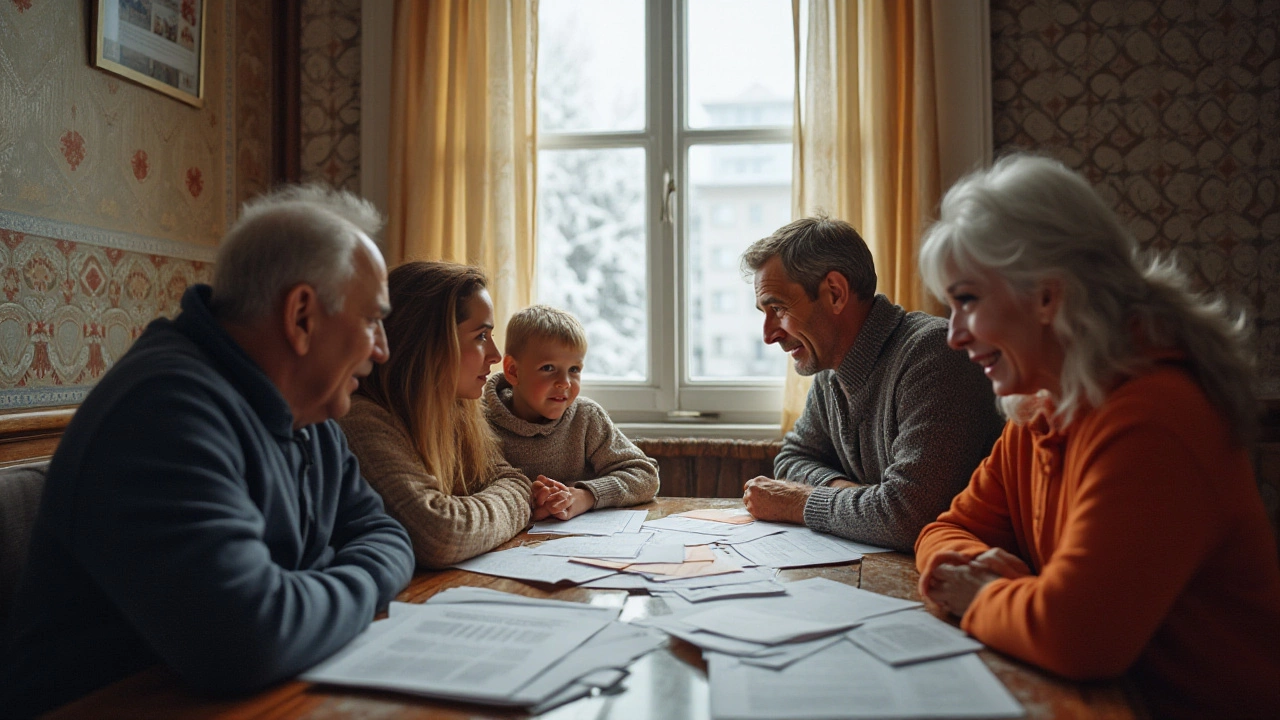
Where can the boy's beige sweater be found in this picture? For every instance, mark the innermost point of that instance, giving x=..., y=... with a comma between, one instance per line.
x=445, y=529
x=583, y=447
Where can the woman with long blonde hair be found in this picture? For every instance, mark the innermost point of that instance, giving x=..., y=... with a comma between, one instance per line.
x=417, y=426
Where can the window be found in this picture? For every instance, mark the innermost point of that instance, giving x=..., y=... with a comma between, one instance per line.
x=664, y=133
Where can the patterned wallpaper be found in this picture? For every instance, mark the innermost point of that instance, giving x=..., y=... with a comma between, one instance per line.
x=71, y=309
x=255, y=99
x=1171, y=108
x=112, y=196
x=81, y=145
x=330, y=109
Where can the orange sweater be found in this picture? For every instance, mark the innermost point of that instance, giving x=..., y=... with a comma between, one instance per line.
x=1150, y=547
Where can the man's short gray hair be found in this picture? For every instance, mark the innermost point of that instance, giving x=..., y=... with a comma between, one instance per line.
x=812, y=247
x=298, y=234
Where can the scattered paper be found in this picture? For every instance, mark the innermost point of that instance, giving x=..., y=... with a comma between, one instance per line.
x=909, y=637
x=759, y=588
x=784, y=655
x=618, y=545
x=462, y=652
x=665, y=572
x=744, y=622
x=797, y=547
x=844, y=681
x=522, y=564
x=690, y=525
x=611, y=649
x=757, y=529
x=596, y=522
x=466, y=594
x=737, y=516
x=627, y=581
x=686, y=538
x=698, y=553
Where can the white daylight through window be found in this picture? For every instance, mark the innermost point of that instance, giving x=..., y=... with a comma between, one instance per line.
x=664, y=150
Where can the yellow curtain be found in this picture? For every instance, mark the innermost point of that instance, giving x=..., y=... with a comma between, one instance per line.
x=867, y=131
x=463, y=133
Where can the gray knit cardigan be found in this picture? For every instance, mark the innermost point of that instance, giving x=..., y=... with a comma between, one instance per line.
x=903, y=414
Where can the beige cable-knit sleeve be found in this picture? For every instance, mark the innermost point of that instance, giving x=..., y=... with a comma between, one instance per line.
x=445, y=529
x=624, y=475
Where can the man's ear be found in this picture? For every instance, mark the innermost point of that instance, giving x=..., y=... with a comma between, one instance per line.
x=1049, y=296
x=301, y=310
x=837, y=287
x=510, y=369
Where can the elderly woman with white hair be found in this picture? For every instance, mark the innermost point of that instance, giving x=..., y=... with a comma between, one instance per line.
x=1117, y=527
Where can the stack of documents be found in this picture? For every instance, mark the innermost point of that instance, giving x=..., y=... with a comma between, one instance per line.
x=478, y=645
x=825, y=649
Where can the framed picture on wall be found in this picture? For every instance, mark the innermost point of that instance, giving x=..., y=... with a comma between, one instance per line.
x=157, y=43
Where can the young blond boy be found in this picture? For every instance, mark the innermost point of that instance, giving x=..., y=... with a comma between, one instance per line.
x=567, y=443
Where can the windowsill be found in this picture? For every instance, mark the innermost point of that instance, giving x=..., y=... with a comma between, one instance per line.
x=739, y=431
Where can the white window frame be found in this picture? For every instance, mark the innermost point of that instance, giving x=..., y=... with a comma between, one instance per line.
x=669, y=393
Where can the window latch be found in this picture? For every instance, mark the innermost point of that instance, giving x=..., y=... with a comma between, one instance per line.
x=668, y=194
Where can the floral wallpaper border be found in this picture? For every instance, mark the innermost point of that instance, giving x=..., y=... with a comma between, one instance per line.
x=69, y=310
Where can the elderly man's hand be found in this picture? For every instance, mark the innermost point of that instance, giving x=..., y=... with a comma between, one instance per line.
x=780, y=500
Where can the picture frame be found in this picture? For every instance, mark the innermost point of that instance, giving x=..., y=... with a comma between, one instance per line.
x=155, y=43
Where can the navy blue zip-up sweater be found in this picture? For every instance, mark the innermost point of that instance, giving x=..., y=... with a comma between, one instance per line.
x=185, y=522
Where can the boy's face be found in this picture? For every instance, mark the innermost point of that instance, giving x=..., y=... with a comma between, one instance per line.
x=545, y=379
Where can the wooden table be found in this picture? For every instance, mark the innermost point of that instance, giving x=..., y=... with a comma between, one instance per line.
x=668, y=683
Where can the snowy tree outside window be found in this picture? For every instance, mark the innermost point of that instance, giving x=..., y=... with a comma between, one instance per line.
x=661, y=295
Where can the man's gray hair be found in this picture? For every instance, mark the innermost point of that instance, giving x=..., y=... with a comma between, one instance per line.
x=812, y=247
x=1029, y=219
x=298, y=234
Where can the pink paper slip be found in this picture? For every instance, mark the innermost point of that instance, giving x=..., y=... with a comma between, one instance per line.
x=732, y=517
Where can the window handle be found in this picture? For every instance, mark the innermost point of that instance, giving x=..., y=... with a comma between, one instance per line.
x=669, y=191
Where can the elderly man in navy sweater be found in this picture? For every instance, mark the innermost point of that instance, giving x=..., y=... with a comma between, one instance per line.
x=203, y=510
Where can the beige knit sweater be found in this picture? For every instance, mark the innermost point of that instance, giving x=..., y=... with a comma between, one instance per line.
x=445, y=529
x=583, y=447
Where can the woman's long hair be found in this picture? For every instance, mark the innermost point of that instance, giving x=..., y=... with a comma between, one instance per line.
x=1030, y=219
x=418, y=384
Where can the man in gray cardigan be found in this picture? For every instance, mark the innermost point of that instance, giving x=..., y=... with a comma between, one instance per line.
x=895, y=423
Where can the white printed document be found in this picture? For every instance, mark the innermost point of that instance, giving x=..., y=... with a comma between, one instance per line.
x=908, y=637
x=844, y=681
x=797, y=547
x=596, y=522
x=811, y=608
x=618, y=545
x=522, y=564
x=481, y=653
x=691, y=525
x=758, y=588
x=467, y=594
